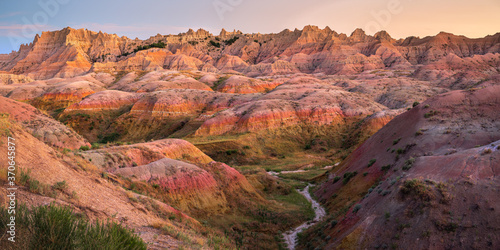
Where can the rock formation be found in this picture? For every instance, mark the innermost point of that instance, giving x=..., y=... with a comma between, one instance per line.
x=70, y=52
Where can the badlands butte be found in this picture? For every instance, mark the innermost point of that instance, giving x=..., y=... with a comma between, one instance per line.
x=174, y=136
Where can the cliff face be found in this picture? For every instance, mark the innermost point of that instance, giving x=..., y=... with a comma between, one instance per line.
x=70, y=52
x=437, y=157
x=63, y=53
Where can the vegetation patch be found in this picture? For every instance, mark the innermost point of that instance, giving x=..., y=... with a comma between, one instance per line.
x=417, y=189
x=446, y=226
x=4, y=124
x=430, y=114
x=348, y=176
x=55, y=227
x=371, y=162
x=215, y=44
x=409, y=163
x=229, y=42
x=385, y=168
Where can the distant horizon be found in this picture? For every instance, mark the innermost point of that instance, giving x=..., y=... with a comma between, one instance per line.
x=21, y=21
x=216, y=33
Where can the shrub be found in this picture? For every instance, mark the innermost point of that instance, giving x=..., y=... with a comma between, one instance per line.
x=396, y=141
x=110, y=138
x=371, y=162
x=348, y=176
x=54, y=227
x=417, y=189
x=74, y=195
x=430, y=114
x=356, y=208
x=386, y=168
x=333, y=223
x=387, y=215
x=229, y=42
x=61, y=186
x=446, y=226
x=416, y=104
x=34, y=186
x=419, y=132
x=231, y=151
x=160, y=45
x=24, y=177
x=84, y=148
x=408, y=164
x=486, y=151
x=215, y=44
x=337, y=178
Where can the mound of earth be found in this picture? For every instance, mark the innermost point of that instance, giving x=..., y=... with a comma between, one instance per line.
x=430, y=174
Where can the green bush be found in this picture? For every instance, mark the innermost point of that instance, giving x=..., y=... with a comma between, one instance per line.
x=110, y=138
x=229, y=42
x=348, y=176
x=371, y=162
x=417, y=189
x=430, y=114
x=160, y=45
x=396, y=141
x=54, y=227
x=61, y=186
x=333, y=223
x=409, y=163
x=356, y=208
x=337, y=178
x=231, y=152
x=215, y=44
x=386, y=167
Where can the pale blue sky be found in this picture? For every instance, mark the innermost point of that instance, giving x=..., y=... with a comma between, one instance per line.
x=21, y=20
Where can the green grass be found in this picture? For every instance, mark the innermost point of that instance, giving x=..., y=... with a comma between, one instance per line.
x=55, y=227
x=296, y=199
x=304, y=176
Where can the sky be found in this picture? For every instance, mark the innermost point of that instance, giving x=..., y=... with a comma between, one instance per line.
x=20, y=21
